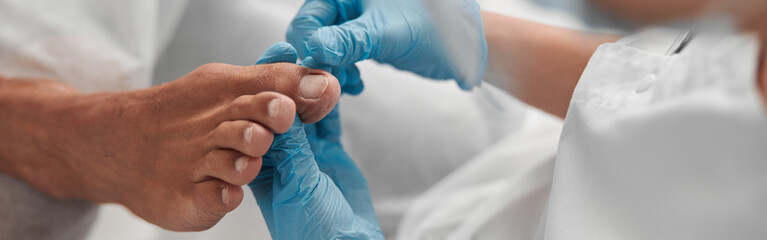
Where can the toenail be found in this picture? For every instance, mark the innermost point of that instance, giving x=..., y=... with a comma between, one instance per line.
x=249, y=134
x=312, y=86
x=241, y=164
x=274, y=108
x=225, y=196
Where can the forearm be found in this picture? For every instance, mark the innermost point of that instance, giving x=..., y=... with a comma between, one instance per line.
x=539, y=64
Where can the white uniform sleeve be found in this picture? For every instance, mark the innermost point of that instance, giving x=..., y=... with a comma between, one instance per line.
x=659, y=146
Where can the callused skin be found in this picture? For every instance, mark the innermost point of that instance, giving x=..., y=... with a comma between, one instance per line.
x=175, y=154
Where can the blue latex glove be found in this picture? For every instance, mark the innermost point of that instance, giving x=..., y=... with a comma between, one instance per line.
x=396, y=32
x=308, y=187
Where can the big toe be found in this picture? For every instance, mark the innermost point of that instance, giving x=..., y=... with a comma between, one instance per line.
x=315, y=92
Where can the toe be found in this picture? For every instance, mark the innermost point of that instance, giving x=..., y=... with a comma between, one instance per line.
x=272, y=110
x=315, y=92
x=216, y=198
x=246, y=137
x=232, y=167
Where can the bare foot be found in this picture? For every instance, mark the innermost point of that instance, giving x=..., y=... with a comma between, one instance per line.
x=175, y=154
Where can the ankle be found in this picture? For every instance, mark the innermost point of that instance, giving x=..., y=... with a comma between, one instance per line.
x=26, y=153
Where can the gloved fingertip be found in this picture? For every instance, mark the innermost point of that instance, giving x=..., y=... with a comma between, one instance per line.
x=310, y=62
x=353, y=84
x=353, y=88
x=279, y=52
x=463, y=86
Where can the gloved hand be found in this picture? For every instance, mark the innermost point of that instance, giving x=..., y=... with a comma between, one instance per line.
x=308, y=187
x=396, y=32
